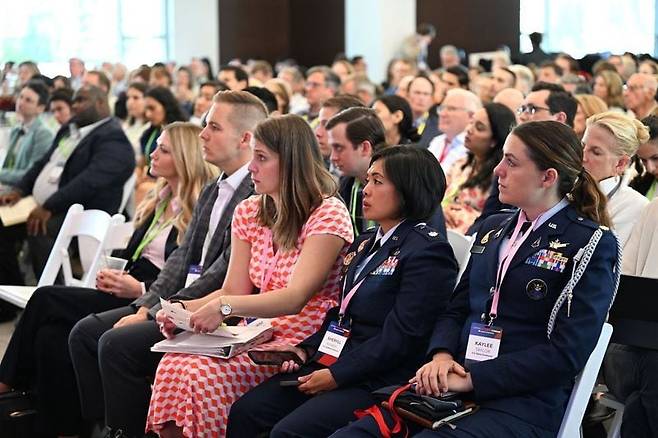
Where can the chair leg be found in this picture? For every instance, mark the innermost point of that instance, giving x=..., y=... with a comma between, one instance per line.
x=615, y=426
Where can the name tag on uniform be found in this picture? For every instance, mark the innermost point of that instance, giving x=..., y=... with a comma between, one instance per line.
x=193, y=273
x=54, y=174
x=483, y=342
x=333, y=342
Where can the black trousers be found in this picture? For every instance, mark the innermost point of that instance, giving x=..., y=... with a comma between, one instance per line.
x=630, y=374
x=40, y=246
x=485, y=423
x=287, y=412
x=120, y=362
x=37, y=356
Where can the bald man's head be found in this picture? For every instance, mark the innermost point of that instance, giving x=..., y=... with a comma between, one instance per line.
x=510, y=97
x=639, y=93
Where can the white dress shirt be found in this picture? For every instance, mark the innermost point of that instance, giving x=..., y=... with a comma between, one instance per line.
x=226, y=187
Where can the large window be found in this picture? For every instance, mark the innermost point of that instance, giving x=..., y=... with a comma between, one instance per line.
x=590, y=26
x=51, y=32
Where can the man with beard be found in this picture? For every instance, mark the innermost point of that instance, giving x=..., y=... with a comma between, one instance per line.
x=88, y=163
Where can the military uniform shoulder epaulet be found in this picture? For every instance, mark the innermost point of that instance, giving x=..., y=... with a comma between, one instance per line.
x=426, y=231
x=578, y=218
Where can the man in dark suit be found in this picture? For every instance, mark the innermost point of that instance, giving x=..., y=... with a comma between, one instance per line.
x=88, y=163
x=355, y=134
x=120, y=340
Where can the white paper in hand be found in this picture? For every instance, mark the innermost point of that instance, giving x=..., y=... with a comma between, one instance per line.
x=181, y=317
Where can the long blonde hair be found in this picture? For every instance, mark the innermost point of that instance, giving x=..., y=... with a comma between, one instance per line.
x=303, y=180
x=193, y=173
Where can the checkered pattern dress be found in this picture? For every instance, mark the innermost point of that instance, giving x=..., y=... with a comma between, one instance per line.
x=196, y=392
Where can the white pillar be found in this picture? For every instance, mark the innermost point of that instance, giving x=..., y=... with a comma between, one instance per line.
x=194, y=30
x=375, y=29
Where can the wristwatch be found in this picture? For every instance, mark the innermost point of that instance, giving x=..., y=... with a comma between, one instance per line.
x=225, y=309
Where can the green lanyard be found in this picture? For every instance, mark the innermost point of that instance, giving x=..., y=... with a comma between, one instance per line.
x=149, y=145
x=353, y=204
x=154, y=229
x=65, y=146
x=652, y=190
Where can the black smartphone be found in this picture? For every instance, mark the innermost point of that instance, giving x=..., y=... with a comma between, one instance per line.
x=264, y=357
x=289, y=383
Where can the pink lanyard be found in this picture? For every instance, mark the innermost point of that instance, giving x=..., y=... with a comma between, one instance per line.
x=268, y=265
x=346, y=300
x=512, y=247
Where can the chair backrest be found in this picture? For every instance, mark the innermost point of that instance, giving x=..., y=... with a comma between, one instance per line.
x=582, y=389
x=91, y=227
x=128, y=189
x=461, y=246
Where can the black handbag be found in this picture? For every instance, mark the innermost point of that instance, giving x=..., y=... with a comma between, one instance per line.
x=427, y=411
x=17, y=414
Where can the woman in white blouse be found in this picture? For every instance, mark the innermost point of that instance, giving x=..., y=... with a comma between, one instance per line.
x=610, y=140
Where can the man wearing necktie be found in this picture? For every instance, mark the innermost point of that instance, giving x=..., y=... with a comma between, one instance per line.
x=88, y=163
x=30, y=140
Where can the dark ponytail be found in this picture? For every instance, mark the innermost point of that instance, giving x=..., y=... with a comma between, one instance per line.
x=589, y=200
x=554, y=145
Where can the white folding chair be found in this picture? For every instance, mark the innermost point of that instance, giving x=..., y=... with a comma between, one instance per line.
x=582, y=390
x=90, y=226
x=461, y=246
x=128, y=190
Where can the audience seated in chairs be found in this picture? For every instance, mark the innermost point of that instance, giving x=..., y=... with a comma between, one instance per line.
x=119, y=388
x=39, y=345
x=397, y=280
x=88, y=162
x=295, y=221
x=114, y=365
x=548, y=329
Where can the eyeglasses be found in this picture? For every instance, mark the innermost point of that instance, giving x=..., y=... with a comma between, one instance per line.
x=627, y=87
x=451, y=109
x=531, y=109
x=314, y=84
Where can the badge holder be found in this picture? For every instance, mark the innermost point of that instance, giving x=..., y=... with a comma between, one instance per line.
x=193, y=273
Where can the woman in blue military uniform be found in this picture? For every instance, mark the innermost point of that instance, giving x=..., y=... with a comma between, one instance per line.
x=537, y=289
x=396, y=282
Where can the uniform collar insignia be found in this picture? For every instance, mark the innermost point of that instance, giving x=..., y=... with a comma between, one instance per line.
x=485, y=239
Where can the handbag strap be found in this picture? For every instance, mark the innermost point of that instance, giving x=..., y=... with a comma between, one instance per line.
x=376, y=413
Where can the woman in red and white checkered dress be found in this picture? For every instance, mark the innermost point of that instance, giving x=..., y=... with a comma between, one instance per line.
x=289, y=242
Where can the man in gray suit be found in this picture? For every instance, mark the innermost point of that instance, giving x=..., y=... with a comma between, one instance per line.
x=111, y=350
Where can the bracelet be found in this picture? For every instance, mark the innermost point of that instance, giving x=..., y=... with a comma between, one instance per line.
x=179, y=302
